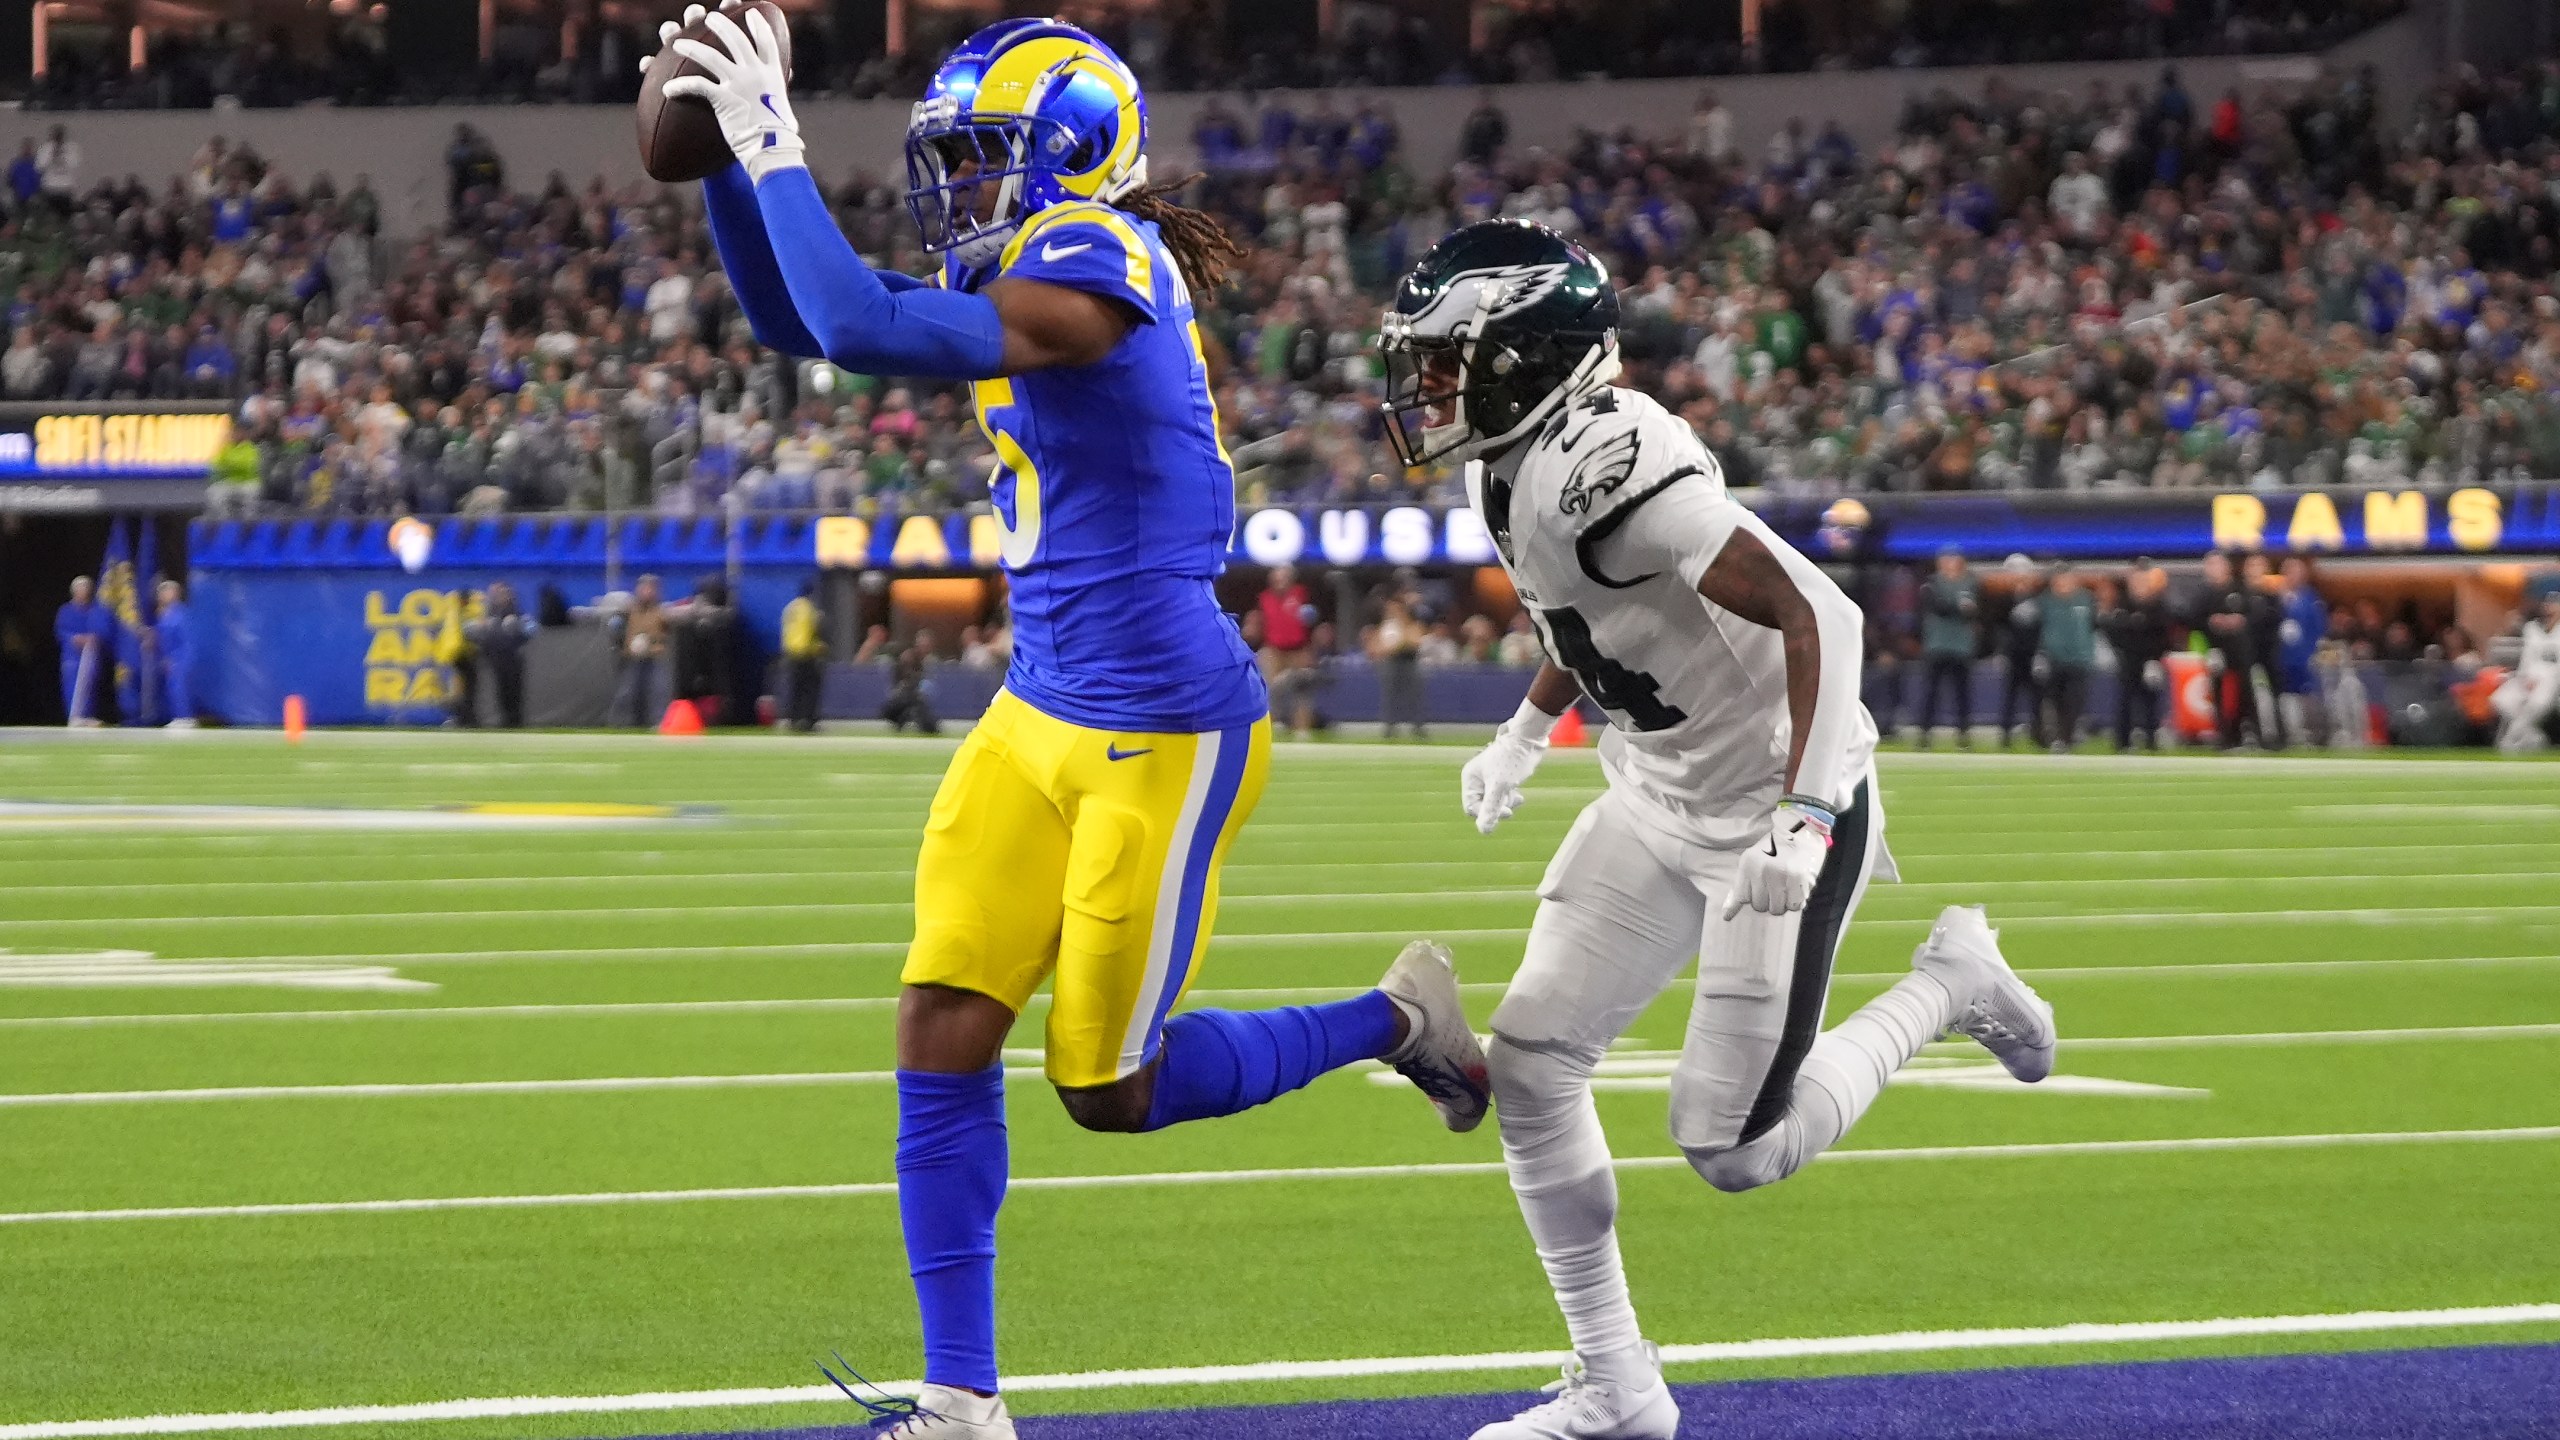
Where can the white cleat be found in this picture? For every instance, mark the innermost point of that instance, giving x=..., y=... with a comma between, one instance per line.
x=946, y=1414
x=1588, y=1409
x=1993, y=1006
x=1441, y=1055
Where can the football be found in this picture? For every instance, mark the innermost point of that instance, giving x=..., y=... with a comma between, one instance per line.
x=680, y=138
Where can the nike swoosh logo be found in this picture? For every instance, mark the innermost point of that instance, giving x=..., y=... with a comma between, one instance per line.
x=1061, y=252
x=1115, y=752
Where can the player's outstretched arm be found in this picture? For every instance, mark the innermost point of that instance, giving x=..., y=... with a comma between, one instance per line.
x=851, y=314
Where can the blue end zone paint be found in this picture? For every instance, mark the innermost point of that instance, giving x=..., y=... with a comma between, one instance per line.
x=2494, y=1392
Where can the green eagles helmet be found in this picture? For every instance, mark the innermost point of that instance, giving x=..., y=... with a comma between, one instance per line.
x=1502, y=322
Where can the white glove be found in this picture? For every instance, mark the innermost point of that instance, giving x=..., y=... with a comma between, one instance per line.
x=1777, y=875
x=745, y=85
x=1490, y=787
x=668, y=32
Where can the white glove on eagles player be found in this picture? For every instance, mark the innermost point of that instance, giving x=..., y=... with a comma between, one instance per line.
x=745, y=86
x=1490, y=786
x=1777, y=875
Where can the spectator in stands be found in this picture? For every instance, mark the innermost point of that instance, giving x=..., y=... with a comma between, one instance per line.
x=2021, y=636
x=1288, y=620
x=1520, y=649
x=471, y=167
x=874, y=646
x=26, y=174
x=2066, y=651
x=1950, y=638
x=58, y=166
x=2137, y=629
x=1486, y=131
x=644, y=652
x=804, y=656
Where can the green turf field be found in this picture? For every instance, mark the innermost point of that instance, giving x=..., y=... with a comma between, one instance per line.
x=2364, y=952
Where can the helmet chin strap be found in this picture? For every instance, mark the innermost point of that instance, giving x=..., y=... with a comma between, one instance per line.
x=987, y=242
x=1136, y=179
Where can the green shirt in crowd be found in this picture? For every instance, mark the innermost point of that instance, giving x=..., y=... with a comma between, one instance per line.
x=2070, y=629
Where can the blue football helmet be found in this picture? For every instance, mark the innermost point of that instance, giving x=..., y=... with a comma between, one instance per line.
x=1037, y=110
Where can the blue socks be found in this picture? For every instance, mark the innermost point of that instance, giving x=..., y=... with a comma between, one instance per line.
x=1217, y=1062
x=952, y=1162
x=953, y=1156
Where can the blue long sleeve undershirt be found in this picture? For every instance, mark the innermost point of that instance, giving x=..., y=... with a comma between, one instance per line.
x=842, y=308
x=746, y=253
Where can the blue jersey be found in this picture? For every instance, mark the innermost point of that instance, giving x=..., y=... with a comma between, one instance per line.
x=1115, y=498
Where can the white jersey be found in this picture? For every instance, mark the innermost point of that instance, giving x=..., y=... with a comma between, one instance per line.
x=1606, y=519
x=2540, y=658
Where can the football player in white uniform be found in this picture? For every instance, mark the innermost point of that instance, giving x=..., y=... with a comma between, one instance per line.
x=2530, y=697
x=1742, y=820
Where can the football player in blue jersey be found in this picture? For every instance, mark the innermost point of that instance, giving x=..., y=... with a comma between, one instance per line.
x=1079, y=830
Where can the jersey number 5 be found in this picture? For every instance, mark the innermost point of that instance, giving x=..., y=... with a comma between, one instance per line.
x=1017, y=513
x=1631, y=693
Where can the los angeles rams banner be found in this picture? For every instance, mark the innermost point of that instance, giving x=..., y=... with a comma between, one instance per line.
x=2471, y=520
x=354, y=615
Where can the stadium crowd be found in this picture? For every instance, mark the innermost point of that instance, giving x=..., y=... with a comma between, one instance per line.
x=1182, y=45
x=2131, y=286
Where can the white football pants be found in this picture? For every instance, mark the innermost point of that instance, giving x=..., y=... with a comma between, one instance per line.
x=1758, y=1089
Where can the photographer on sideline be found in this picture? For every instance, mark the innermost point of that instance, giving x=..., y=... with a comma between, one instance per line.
x=643, y=646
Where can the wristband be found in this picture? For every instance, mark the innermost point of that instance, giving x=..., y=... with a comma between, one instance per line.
x=1812, y=811
x=1530, y=723
x=782, y=150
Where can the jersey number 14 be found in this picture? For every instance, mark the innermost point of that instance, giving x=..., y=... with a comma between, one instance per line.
x=1631, y=693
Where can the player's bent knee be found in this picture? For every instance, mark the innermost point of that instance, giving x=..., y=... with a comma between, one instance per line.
x=1736, y=1168
x=1532, y=1080
x=1119, y=1109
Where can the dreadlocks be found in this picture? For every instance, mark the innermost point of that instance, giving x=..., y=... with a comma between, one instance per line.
x=1200, y=245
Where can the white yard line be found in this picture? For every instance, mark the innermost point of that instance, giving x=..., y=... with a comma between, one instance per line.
x=1175, y=1178
x=791, y=1079
x=2406, y=1035
x=855, y=1004
x=2365, y=915
x=399, y=884
x=1908, y=1342
x=1301, y=992
x=2224, y=969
